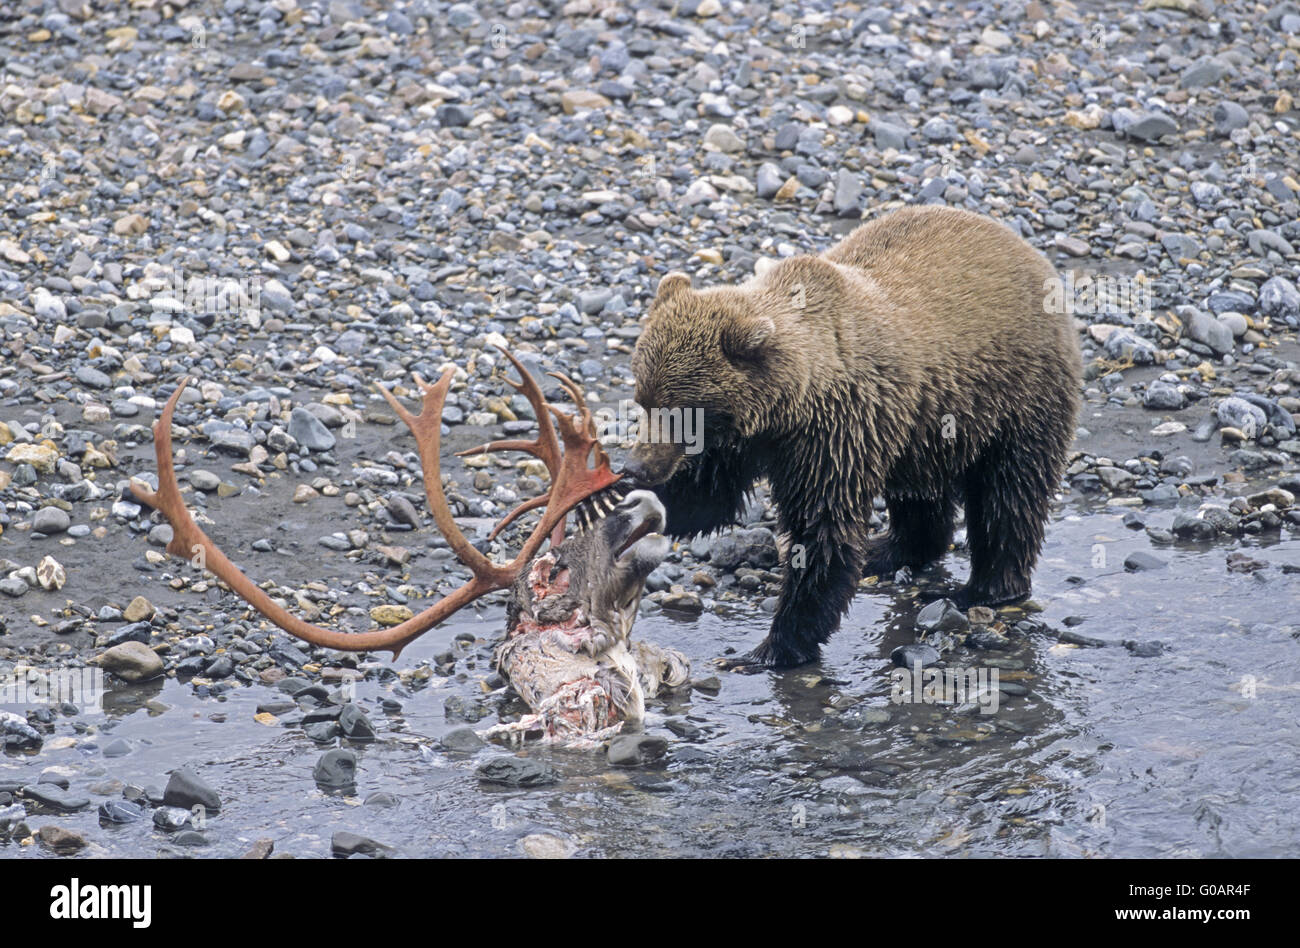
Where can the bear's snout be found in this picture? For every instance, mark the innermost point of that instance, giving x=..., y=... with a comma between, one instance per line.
x=649, y=465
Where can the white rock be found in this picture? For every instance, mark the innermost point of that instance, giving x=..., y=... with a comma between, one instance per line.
x=723, y=138
x=48, y=306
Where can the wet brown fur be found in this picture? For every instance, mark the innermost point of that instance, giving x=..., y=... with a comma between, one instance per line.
x=836, y=377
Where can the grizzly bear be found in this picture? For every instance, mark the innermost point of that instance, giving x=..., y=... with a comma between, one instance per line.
x=916, y=359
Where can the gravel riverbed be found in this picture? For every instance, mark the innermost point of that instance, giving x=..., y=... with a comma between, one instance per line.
x=291, y=201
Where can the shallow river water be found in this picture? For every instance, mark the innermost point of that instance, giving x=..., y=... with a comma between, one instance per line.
x=1191, y=752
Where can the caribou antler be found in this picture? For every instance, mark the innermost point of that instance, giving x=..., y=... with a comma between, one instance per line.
x=578, y=433
x=572, y=482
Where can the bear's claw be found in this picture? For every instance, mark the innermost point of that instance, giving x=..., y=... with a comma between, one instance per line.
x=763, y=658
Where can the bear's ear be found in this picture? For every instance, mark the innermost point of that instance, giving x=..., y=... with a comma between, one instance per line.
x=673, y=284
x=747, y=338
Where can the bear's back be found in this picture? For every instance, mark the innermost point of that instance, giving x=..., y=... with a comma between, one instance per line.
x=951, y=277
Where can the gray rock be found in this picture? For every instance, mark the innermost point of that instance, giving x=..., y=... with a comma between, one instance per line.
x=187, y=789
x=344, y=844
x=336, y=770
x=888, y=135
x=48, y=306
x=1279, y=298
x=939, y=130
x=169, y=819
x=1145, y=649
x=769, y=180
x=633, y=750
x=787, y=135
x=233, y=441
x=684, y=601
x=1263, y=241
x=1207, y=72
x=1141, y=561
x=1180, y=245
x=309, y=431
x=1144, y=126
x=1163, y=396
x=1230, y=301
x=1206, y=194
x=914, y=653
x=1237, y=412
x=1205, y=329
x=516, y=772
x=593, y=301
x=355, y=725
x=723, y=138
x=117, y=748
x=1115, y=478
x=756, y=547
x=848, y=190
x=87, y=375
x=1188, y=526
x=52, y=797
x=401, y=509
x=1248, y=460
x=942, y=616
x=17, y=733
x=1277, y=416
x=120, y=811
x=462, y=740
x=51, y=520
x=204, y=480
x=1124, y=344
x=1228, y=117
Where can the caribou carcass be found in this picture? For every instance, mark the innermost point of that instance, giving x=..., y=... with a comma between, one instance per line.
x=567, y=653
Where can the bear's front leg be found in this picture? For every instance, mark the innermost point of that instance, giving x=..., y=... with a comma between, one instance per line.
x=709, y=491
x=814, y=598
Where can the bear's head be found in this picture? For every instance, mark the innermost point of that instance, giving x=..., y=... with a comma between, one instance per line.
x=715, y=355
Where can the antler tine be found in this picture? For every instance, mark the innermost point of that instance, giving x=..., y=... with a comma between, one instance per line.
x=575, y=393
x=546, y=446
x=580, y=422
x=189, y=541
x=427, y=429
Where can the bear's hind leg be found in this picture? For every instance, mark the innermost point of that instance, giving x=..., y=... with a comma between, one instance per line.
x=1008, y=497
x=920, y=529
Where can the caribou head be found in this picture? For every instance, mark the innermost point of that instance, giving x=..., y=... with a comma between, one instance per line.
x=580, y=595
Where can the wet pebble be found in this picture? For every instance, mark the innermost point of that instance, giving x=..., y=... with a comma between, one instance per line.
x=632, y=750
x=516, y=772
x=914, y=653
x=345, y=844
x=336, y=770
x=187, y=789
